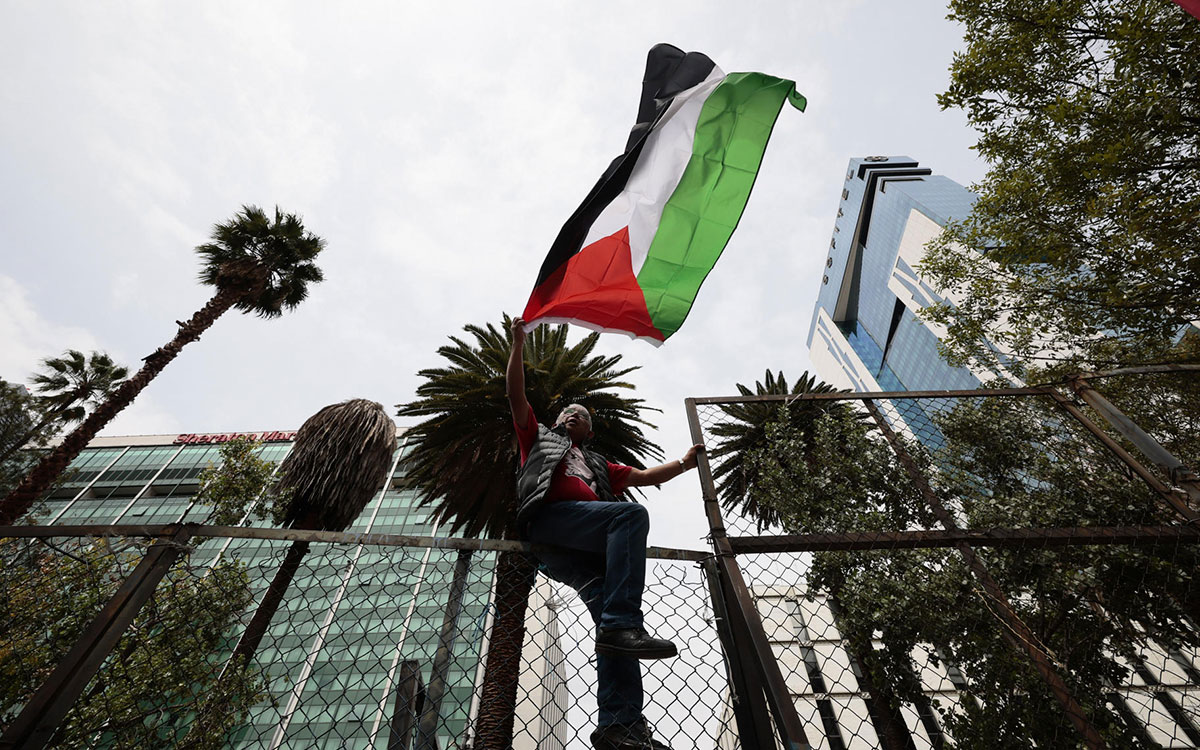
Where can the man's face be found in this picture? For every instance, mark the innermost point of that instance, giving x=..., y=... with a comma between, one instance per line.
x=577, y=421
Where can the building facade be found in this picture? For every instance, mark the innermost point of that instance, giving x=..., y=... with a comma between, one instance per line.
x=355, y=615
x=865, y=334
x=832, y=695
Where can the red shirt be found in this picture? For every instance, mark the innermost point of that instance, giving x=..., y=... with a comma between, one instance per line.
x=562, y=485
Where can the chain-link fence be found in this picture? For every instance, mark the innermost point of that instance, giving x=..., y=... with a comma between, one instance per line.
x=151, y=637
x=1009, y=568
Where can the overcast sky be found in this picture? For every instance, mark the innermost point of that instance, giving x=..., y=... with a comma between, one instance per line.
x=437, y=148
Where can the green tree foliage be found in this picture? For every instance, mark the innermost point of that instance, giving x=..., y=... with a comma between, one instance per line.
x=744, y=429
x=999, y=463
x=830, y=472
x=1083, y=246
x=18, y=419
x=70, y=383
x=162, y=686
x=65, y=387
x=236, y=486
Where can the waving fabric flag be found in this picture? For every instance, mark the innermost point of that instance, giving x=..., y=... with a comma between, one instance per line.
x=1191, y=6
x=632, y=257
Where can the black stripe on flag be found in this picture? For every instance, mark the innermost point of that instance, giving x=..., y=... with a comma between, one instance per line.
x=669, y=71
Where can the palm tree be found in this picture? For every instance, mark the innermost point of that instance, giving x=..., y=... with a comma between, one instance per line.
x=745, y=430
x=338, y=462
x=68, y=385
x=257, y=265
x=463, y=458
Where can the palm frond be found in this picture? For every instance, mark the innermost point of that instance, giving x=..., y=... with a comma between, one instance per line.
x=744, y=429
x=464, y=454
x=270, y=262
x=339, y=460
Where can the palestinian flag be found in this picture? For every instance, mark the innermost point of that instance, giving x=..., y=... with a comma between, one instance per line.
x=632, y=257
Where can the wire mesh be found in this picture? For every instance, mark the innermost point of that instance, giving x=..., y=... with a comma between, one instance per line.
x=371, y=646
x=892, y=631
x=925, y=569
x=161, y=678
x=684, y=696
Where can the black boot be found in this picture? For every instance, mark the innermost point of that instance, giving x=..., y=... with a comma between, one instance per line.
x=635, y=736
x=635, y=642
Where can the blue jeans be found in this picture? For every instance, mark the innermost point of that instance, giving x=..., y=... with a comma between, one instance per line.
x=606, y=564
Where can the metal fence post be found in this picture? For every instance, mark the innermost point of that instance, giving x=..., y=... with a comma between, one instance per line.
x=749, y=704
x=1179, y=472
x=410, y=700
x=42, y=715
x=787, y=721
x=1014, y=629
x=1166, y=493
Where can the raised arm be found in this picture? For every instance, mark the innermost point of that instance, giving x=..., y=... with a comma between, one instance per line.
x=514, y=376
x=664, y=472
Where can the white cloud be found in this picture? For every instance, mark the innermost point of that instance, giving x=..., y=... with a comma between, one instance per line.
x=26, y=338
x=438, y=150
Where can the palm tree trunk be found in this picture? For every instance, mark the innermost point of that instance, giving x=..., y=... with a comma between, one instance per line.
x=515, y=573
x=257, y=627
x=43, y=475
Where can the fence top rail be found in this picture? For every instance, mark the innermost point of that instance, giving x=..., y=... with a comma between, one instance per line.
x=1142, y=370
x=304, y=535
x=866, y=395
x=1037, y=390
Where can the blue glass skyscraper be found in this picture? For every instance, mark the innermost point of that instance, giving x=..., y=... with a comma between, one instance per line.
x=865, y=334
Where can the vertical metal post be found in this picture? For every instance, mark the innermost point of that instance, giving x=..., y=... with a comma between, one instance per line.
x=410, y=697
x=427, y=730
x=1179, y=472
x=749, y=705
x=41, y=716
x=1169, y=496
x=741, y=603
x=1014, y=630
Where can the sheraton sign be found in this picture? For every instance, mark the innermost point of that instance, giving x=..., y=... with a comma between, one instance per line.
x=225, y=437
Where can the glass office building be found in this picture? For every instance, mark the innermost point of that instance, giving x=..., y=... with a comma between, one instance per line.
x=865, y=334
x=353, y=614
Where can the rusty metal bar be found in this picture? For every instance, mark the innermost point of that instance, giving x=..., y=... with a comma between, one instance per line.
x=1168, y=495
x=712, y=509
x=747, y=621
x=41, y=716
x=1013, y=629
x=304, y=535
x=866, y=395
x=746, y=693
x=1026, y=538
x=741, y=609
x=1179, y=472
x=1142, y=370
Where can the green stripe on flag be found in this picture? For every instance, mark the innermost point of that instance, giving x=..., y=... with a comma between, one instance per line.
x=698, y=219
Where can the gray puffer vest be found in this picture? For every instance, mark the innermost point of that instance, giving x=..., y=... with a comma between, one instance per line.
x=533, y=478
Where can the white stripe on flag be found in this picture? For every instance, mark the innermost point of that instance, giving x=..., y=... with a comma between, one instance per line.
x=660, y=167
